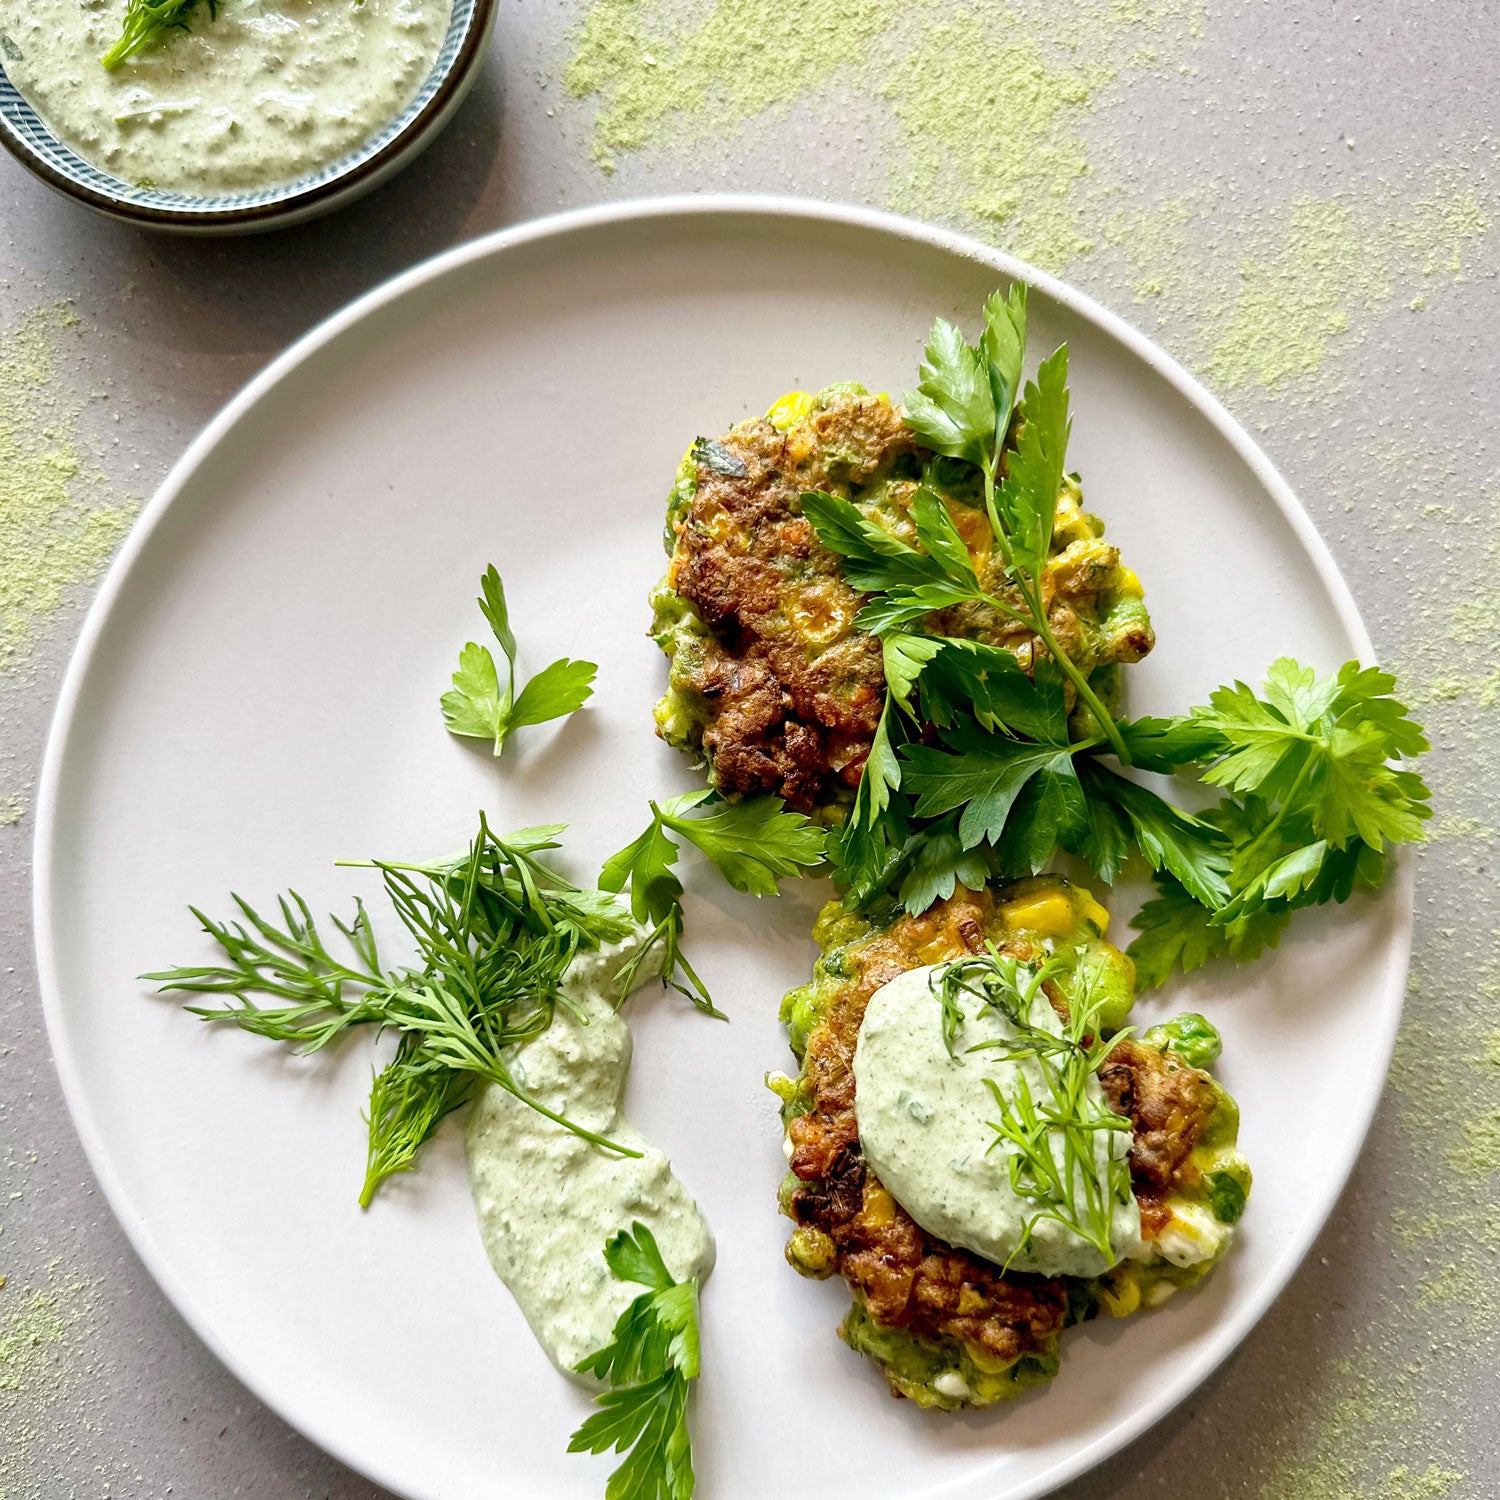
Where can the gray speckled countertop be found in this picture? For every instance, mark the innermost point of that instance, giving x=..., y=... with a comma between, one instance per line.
x=1294, y=198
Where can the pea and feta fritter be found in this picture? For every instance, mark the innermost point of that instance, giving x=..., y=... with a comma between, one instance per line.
x=949, y=1327
x=771, y=680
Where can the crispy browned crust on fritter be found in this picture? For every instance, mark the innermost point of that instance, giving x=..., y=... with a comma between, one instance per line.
x=781, y=717
x=907, y=1278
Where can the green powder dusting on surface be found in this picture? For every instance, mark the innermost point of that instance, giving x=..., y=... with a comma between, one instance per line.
x=653, y=69
x=1451, y=826
x=30, y=1329
x=1263, y=297
x=991, y=125
x=1355, y=1440
x=47, y=1371
x=999, y=122
x=57, y=528
x=1481, y=1149
x=1000, y=115
x=1433, y=1483
x=988, y=104
x=12, y=810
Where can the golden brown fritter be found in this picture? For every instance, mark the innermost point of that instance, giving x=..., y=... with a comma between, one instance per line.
x=850, y=1224
x=770, y=678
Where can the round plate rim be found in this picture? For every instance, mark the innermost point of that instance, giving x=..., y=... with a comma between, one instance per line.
x=731, y=206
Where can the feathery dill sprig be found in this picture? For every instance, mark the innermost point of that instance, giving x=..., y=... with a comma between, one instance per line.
x=1049, y=1135
x=495, y=930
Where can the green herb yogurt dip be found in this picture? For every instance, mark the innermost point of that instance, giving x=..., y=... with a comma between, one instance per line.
x=268, y=91
x=548, y=1201
x=925, y=1124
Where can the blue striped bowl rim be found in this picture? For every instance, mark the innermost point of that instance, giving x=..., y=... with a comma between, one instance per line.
x=32, y=140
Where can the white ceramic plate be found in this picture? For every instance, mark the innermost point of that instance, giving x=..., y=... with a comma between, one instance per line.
x=256, y=694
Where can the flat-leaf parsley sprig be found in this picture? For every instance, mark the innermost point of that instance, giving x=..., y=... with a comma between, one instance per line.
x=963, y=409
x=1319, y=785
x=1051, y=1138
x=476, y=706
x=753, y=843
x=978, y=770
x=650, y=1363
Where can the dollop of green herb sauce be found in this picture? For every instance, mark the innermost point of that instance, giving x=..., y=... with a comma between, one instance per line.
x=548, y=1201
x=927, y=1123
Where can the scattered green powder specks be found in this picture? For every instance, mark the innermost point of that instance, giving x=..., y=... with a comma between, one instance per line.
x=990, y=124
x=56, y=527
x=996, y=107
x=32, y=1325
x=987, y=102
x=1388, y=1421
x=1343, y=1450
x=1257, y=296
x=12, y=809
x=1334, y=261
x=999, y=122
x=47, y=1374
x=651, y=67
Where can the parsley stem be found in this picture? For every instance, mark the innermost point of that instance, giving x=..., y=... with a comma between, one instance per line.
x=1266, y=833
x=1102, y=715
x=1036, y=619
x=997, y=531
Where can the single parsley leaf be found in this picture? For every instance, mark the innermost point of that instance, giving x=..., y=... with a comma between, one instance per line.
x=952, y=410
x=494, y=608
x=934, y=863
x=988, y=682
x=1297, y=692
x=1104, y=839
x=555, y=692
x=905, y=657
x=1165, y=745
x=1027, y=498
x=473, y=706
x=1369, y=693
x=645, y=865
x=1051, y=810
x=874, y=560
x=984, y=778
x=1359, y=795
x=1167, y=837
x=753, y=842
x=904, y=603
x=1003, y=348
x=940, y=539
x=881, y=776
x=1258, y=741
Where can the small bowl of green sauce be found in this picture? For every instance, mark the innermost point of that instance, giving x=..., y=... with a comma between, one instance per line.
x=229, y=116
